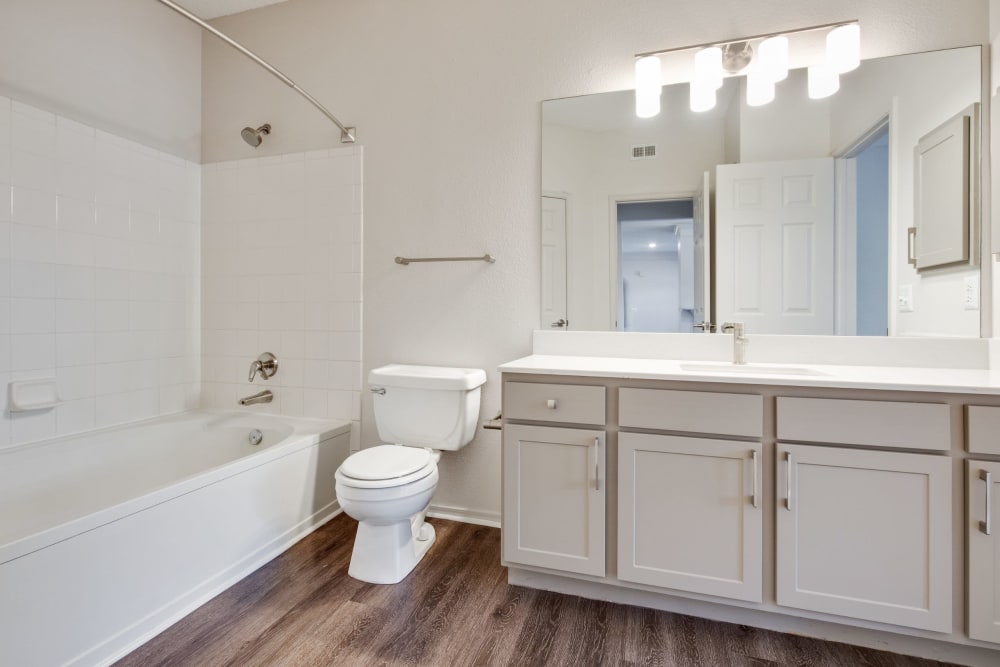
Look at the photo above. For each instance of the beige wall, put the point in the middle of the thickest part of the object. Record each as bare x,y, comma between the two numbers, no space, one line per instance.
445,94
129,67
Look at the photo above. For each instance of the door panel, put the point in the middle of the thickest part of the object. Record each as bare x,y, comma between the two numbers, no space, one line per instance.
774,236
689,517
865,534
553,261
553,509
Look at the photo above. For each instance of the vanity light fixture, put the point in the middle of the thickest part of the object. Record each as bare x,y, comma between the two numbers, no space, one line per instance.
713,61
648,86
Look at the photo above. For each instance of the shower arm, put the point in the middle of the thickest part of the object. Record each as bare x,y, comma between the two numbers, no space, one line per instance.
347,134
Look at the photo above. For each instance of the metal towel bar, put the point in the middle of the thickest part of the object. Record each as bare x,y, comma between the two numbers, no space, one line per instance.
407,260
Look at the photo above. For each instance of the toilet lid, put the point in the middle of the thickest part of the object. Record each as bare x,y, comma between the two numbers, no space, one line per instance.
385,462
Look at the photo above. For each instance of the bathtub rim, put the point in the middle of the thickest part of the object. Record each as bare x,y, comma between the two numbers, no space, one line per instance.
306,432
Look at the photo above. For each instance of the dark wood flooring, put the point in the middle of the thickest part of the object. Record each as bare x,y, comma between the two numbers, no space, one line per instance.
456,608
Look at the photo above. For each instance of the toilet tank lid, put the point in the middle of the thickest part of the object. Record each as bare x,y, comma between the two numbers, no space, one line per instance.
426,377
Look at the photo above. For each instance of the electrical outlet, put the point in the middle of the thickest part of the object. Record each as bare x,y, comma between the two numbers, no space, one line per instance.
970,295
904,298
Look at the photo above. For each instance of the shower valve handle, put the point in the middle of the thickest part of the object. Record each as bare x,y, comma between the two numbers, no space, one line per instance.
266,364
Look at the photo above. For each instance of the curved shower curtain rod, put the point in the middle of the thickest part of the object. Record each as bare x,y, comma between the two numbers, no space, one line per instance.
347,134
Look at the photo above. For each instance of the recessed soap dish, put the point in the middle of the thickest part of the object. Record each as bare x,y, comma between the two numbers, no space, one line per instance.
40,394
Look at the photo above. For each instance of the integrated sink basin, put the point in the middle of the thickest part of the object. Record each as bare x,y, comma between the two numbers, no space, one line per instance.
750,369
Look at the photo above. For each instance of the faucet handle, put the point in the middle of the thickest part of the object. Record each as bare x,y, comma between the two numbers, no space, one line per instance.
266,364
735,327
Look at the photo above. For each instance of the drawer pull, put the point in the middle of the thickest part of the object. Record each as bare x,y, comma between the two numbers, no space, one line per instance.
756,490
551,404
788,481
597,478
987,526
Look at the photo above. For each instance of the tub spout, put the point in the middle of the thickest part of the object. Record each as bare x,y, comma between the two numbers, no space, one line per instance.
260,397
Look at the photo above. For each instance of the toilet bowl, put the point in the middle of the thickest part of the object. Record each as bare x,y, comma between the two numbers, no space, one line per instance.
423,410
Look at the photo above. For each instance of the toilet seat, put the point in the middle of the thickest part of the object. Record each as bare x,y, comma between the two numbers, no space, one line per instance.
386,466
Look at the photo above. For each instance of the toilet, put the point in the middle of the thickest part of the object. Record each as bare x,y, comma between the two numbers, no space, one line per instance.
422,411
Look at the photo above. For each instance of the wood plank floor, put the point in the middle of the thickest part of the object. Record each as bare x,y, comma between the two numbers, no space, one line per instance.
456,608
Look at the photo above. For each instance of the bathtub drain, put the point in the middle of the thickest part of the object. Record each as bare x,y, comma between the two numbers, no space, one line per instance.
255,437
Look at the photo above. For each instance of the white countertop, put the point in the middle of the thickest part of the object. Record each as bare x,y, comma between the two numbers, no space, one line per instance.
959,381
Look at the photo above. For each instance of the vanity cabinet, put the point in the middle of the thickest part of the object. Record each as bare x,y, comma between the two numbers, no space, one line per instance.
690,514
554,497
983,489
865,534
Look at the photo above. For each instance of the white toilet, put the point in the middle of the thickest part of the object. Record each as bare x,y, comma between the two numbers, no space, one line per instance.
423,410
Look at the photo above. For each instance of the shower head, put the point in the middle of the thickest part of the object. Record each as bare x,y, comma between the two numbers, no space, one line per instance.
254,137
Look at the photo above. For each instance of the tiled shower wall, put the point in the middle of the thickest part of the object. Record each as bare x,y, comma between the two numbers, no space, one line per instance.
281,270
99,274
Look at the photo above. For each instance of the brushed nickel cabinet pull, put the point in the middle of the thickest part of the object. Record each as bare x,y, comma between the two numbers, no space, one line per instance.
756,489
788,481
987,526
597,477
911,240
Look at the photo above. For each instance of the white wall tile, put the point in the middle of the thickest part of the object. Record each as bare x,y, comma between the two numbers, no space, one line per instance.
74,349
33,207
112,409
33,279
281,258
32,352
75,282
32,316
76,214
75,416
74,315
32,426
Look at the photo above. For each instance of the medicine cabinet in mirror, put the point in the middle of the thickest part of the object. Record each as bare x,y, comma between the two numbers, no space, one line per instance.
794,217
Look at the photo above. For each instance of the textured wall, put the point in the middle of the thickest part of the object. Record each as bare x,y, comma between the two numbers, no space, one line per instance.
130,67
446,94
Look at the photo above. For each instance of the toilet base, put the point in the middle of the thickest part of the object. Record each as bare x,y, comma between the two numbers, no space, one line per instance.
385,554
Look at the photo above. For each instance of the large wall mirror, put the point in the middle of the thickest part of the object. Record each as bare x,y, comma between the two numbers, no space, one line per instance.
796,217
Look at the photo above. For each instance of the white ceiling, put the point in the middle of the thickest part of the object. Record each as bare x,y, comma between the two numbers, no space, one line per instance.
210,9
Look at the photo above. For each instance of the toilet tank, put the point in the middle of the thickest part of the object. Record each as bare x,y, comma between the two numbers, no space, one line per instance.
426,406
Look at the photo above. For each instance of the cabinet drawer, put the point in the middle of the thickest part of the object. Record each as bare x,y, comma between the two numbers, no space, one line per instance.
983,434
874,423
695,411
563,403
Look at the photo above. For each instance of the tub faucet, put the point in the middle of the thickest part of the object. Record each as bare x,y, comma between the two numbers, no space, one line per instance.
260,397
739,341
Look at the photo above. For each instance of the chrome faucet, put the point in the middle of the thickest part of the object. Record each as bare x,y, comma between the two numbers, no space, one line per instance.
739,341
266,364
260,397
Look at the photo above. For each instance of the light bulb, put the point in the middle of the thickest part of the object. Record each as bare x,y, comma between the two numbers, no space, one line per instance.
823,82
708,67
772,58
702,97
760,89
648,86
843,48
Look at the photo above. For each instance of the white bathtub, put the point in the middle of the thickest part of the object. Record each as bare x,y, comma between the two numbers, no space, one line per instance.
108,537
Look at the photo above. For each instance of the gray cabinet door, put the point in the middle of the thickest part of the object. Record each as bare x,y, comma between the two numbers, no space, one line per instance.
553,506
865,534
689,514
941,204
983,486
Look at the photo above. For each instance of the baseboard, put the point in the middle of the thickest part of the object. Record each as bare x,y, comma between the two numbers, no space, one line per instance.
464,515
187,602
923,647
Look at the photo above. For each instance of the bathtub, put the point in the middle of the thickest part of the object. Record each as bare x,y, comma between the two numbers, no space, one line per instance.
108,537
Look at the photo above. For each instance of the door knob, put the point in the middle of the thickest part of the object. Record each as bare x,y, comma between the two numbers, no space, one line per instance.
560,323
